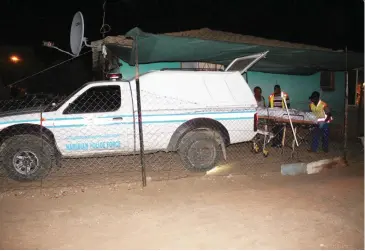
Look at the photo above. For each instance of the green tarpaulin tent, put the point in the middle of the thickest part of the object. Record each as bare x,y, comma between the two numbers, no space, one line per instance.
153,48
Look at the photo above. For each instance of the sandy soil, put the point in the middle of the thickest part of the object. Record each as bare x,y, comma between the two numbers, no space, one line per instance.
261,210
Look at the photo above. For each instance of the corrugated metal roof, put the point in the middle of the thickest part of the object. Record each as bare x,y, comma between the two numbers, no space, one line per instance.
215,35
208,34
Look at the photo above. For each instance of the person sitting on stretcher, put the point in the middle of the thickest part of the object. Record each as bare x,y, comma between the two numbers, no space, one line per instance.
324,117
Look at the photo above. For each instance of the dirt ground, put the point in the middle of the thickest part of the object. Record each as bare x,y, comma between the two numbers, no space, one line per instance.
261,210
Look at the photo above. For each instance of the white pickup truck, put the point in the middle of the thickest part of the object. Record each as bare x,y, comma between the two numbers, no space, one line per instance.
196,113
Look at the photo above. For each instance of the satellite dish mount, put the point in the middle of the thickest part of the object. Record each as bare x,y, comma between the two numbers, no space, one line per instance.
77,39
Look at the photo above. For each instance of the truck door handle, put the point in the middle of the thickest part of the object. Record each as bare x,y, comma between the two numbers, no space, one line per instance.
118,118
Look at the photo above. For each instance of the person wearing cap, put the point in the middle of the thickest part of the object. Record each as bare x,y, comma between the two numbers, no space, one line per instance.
258,96
324,117
276,100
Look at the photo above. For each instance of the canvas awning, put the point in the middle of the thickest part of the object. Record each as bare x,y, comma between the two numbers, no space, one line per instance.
153,48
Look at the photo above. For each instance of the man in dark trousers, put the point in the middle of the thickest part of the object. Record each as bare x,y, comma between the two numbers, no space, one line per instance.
324,117
276,99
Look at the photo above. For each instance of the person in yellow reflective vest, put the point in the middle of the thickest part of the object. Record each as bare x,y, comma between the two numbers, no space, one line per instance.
276,100
324,117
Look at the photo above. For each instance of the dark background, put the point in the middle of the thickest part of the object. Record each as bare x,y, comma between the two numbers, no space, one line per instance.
328,23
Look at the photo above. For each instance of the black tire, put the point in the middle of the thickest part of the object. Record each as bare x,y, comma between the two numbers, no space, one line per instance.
26,149
192,142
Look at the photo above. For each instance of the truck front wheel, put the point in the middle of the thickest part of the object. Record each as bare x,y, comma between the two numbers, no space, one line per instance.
200,150
26,157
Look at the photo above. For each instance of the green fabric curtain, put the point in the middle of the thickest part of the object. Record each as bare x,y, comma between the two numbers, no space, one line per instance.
153,48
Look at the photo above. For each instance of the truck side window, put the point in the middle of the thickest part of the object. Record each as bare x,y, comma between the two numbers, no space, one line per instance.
96,99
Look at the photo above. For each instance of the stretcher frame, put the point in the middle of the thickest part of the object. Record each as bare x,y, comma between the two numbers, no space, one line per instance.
294,123
291,119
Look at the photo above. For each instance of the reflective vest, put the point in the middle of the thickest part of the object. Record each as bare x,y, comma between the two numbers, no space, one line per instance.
272,96
318,110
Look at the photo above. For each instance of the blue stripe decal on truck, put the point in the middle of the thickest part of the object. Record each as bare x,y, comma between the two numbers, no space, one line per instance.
148,122
70,118
37,120
19,121
147,115
177,114
173,121
65,126
94,136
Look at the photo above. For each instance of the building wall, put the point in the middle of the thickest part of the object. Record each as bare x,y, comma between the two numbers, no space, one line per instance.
299,88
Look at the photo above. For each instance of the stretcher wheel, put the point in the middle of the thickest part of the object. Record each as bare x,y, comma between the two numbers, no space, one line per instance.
256,148
265,153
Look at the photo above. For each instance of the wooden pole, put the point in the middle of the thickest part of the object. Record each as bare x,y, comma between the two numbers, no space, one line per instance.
346,110
140,127
360,104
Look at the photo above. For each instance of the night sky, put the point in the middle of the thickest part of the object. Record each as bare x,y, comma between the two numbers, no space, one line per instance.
328,23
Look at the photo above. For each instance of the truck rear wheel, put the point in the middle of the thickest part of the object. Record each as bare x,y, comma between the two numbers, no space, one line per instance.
200,150
26,157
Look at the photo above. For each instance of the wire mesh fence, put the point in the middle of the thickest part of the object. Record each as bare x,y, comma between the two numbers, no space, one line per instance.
93,138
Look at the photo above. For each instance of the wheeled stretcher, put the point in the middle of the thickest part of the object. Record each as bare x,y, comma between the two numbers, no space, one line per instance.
270,117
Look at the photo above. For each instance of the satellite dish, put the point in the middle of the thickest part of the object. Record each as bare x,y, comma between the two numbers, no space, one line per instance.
77,39
77,33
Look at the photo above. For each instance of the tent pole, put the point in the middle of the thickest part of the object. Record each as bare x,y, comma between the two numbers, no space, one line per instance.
346,110
103,63
358,105
140,128
360,111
